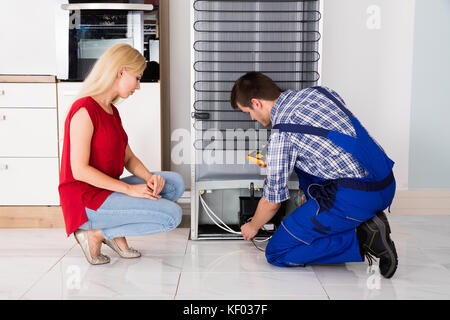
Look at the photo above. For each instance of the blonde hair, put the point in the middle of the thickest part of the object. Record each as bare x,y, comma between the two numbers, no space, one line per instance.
104,71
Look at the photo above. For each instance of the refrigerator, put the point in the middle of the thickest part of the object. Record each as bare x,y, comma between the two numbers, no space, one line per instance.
281,39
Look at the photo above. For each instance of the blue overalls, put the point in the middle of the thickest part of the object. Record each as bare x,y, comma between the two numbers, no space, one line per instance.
323,229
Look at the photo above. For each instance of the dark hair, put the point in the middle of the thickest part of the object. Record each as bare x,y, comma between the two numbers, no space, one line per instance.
253,85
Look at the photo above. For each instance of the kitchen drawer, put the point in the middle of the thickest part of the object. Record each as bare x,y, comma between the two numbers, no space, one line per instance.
29,181
28,133
27,95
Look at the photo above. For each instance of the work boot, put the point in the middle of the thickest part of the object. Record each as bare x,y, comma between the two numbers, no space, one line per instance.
374,241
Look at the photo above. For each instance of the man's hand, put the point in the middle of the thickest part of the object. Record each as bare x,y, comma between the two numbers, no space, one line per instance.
249,230
264,212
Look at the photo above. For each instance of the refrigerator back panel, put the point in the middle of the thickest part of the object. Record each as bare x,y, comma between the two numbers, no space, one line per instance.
277,38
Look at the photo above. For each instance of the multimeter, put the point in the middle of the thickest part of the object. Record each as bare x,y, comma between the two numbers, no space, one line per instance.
257,157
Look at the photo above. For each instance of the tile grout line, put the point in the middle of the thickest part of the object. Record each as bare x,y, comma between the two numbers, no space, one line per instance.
46,272
184,256
318,279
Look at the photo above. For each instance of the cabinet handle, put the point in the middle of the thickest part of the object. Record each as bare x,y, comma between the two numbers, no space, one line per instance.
4,167
70,93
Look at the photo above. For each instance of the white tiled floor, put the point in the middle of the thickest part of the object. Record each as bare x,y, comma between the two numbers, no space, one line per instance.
45,264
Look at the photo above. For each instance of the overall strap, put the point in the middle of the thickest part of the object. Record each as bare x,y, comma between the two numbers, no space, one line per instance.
346,141
299,128
339,104
352,145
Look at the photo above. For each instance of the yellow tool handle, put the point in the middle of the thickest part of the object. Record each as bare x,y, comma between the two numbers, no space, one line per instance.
258,162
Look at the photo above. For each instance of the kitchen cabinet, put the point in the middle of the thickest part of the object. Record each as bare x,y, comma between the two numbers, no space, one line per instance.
29,181
27,35
29,172
141,119
28,132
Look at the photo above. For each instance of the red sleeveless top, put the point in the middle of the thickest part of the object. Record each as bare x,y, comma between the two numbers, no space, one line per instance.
108,145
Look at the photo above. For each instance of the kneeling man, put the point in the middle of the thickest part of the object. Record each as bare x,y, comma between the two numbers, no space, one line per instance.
346,177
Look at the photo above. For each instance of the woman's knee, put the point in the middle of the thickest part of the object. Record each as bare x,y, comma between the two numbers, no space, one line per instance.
133,180
179,184
176,182
173,215
164,219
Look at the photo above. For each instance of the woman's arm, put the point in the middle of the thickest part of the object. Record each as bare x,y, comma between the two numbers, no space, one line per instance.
135,166
81,131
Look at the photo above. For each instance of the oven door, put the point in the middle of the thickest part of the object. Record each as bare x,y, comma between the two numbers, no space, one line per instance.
91,29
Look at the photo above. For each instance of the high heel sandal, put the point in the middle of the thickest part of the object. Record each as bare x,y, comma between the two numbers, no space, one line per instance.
127,254
82,239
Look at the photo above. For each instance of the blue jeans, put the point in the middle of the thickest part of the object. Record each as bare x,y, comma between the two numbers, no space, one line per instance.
121,215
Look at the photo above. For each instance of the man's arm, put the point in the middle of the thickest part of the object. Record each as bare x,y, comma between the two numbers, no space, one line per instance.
264,212
281,157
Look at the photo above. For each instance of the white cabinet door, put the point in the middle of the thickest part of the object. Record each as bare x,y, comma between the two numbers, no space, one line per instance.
141,119
67,92
27,33
29,172
29,181
28,132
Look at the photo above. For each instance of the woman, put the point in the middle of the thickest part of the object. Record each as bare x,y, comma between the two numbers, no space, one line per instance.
98,206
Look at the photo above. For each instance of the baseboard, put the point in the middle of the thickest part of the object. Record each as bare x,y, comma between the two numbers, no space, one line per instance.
421,202
406,202
50,217
185,198
31,217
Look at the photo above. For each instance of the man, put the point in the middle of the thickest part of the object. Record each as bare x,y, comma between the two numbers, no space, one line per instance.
346,177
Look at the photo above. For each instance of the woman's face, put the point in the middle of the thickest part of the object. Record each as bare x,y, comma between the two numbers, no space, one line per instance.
128,82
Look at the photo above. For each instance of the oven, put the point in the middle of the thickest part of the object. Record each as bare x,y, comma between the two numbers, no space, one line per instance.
86,30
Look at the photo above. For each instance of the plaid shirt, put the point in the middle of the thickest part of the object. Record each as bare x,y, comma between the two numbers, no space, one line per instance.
315,155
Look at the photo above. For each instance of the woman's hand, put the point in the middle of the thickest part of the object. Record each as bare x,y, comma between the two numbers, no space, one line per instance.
141,191
156,184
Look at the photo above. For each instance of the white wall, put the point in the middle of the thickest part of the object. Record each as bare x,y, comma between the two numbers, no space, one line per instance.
429,157
180,77
372,69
